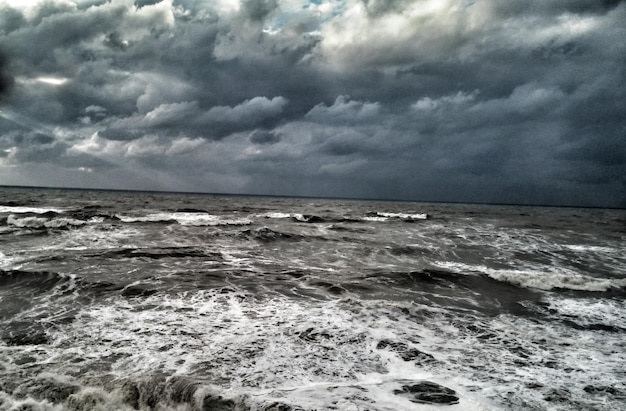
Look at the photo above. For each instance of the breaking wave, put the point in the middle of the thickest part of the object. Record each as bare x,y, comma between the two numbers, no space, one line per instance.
185,219
542,280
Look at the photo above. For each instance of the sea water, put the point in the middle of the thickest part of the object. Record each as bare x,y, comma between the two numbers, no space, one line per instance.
126,300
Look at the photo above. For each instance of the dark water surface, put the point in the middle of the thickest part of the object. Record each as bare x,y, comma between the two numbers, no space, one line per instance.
120,300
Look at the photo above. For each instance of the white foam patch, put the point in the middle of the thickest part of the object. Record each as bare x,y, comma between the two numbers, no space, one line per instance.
6,261
324,354
8,402
591,248
187,219
315,355
98,236
520,361
589,312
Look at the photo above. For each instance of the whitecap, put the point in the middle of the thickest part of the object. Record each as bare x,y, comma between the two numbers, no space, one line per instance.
23,210
63,222
276,215
186,219
556,280
404,216
590,248
26,222
375,219
590,312
548,279
5,261
41,222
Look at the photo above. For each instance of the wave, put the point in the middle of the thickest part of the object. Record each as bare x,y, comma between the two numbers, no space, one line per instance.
591,248
42,222
39,217
307,218
185,219
381,216
36,218
267,234
404,216
24,209
297,217
375,219
467,292
158,253
558,281
276,215
377,216
543,280
30,220
607,315
25,298
38,280
349,229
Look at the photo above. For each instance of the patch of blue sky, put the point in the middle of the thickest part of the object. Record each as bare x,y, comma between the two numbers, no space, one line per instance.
316,12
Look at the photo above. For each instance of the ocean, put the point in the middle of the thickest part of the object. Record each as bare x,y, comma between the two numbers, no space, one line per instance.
155,301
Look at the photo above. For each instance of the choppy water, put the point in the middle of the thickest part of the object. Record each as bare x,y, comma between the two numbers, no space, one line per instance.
112,300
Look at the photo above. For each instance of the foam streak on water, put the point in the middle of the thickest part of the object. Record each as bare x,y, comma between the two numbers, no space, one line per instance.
114,300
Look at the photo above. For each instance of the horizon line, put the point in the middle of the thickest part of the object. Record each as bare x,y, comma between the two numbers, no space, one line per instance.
372,199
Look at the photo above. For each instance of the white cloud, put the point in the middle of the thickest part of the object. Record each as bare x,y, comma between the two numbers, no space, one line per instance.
248,112
160,89
429,104
163,114
342,168
417,28
95,109
524,99
144,147
96,145
534,31
345,109
184,145
227,6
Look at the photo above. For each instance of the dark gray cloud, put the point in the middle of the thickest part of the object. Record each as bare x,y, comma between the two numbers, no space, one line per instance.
558,7
377,7
264,137
6,80
412,99
259,10
10,19
141,3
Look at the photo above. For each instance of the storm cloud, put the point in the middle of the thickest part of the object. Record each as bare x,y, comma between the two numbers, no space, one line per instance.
470,101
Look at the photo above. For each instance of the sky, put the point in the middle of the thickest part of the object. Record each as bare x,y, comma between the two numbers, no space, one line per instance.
485,101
